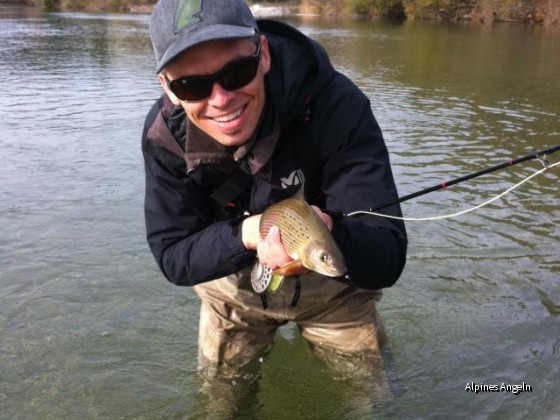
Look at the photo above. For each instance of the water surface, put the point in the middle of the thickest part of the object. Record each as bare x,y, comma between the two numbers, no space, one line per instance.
89,327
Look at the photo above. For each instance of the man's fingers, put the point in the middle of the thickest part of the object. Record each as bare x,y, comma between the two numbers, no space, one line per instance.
324,217
271,251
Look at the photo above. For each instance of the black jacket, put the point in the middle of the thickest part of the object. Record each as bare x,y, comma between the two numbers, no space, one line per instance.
317,127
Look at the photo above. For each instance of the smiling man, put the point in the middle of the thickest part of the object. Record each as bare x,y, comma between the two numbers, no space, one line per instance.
228,116
251,111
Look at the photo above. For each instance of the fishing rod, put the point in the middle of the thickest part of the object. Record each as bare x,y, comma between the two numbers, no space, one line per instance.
541,155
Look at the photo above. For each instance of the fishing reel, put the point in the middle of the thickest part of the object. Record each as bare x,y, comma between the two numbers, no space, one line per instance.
262,279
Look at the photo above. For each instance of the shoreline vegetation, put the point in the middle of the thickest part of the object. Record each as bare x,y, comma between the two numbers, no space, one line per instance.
542,12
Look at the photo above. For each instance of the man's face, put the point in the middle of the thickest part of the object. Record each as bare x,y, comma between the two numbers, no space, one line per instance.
228,117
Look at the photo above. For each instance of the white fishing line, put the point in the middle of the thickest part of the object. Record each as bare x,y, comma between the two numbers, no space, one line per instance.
449,216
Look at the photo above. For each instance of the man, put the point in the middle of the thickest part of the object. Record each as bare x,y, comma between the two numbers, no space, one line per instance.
251,112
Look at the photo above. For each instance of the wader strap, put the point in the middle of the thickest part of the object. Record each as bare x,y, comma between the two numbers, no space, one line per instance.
264,300
295,299
297,292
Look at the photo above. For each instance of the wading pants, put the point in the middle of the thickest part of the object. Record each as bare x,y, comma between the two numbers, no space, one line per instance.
236,329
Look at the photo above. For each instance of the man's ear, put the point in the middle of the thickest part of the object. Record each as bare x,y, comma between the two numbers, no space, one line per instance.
163,82
265,54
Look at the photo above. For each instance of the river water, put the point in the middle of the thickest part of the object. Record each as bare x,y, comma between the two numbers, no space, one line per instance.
89,328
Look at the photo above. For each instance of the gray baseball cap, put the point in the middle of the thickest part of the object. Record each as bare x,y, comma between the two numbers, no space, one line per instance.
180,24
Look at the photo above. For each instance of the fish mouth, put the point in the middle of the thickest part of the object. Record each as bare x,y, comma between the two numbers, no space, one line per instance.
331,271
339,273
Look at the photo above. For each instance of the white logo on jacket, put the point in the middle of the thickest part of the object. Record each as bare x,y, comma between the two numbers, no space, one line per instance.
295,178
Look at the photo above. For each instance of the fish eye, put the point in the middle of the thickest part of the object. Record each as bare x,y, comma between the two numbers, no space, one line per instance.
324,258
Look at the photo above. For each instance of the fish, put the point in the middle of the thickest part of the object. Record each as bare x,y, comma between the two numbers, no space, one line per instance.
305,237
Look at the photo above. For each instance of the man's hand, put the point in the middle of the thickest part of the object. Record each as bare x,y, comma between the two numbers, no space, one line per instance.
250,231
324,217
270,250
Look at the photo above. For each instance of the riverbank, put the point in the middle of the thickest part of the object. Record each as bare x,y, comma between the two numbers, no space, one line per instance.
261,9
17,3
258,9
545,12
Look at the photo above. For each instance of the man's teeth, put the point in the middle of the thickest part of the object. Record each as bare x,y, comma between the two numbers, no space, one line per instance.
229,117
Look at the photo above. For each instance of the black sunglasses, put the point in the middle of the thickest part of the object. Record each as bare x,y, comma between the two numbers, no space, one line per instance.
233,76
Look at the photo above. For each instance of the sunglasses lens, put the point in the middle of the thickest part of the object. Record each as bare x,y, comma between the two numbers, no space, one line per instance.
191,89
239,74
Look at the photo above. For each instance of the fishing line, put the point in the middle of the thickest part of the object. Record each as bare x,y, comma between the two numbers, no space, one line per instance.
540,155
448,216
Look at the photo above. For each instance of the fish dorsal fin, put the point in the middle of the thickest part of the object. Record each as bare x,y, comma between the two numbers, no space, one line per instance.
300,193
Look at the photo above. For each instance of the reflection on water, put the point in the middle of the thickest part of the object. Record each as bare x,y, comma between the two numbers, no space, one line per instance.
91,329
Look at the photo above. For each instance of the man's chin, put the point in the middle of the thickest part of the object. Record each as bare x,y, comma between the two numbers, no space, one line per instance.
232,139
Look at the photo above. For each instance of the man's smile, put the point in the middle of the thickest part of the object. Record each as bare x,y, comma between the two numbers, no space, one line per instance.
229,117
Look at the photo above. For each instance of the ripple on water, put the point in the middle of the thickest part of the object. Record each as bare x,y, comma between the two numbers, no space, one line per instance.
87,317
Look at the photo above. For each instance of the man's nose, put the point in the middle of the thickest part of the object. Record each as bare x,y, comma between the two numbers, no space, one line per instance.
219,96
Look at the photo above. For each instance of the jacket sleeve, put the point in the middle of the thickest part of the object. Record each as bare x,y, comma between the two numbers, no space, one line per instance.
188,245
357,176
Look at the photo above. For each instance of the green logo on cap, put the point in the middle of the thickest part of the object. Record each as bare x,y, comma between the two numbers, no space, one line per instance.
187,11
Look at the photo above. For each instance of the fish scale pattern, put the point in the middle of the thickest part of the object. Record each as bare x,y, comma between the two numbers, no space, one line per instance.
305,236
297,221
